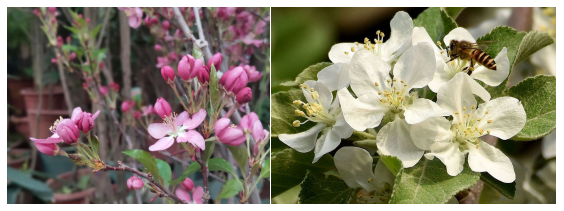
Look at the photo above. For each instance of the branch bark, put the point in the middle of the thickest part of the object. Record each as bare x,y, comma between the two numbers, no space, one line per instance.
201,42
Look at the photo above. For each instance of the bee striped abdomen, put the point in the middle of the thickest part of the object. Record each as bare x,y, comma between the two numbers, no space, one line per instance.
484,59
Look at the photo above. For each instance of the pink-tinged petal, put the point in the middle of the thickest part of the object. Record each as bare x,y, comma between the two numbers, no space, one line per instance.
49,140
182,194
197,193
75,112
181,118
162,144
158,130
194,138
196,120
221,124
95,115
257,131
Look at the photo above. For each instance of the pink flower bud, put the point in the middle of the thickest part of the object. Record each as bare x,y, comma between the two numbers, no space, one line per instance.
85,85
54,60
203,73
48,149
184,69
216,61
257,131
158,47
187,184
80,15
68,131
168,74
172,56
147,110
85,121
37,12
248,120
103,90
59,41
229,134
114,86
244,95
127,105
68,40
137,114
234,80
162,108
87,20
102,65
52,10
166,25
72,56
134,183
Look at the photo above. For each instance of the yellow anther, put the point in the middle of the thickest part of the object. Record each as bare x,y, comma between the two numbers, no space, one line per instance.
439,43
479,119
379,93
296,123
402,81
305,86
376,84
352,49
456,113
382,34
405,85
397,93
300,113
490,121
382,101
298,102
312,90
405,104
464,108
388,80
370,180
314,95
395,80
488,131
473,107
356,43
301,86
487,112
346,53
459,123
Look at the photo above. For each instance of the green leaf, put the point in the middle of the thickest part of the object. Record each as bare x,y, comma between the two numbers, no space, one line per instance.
393,163
283,113
265,170
240,155
146,159
453,12
70,48
289,168
164,171
219,164
429,183
197,53
318,188
13,192
426,93
86,149
95,145
96,30
506,189
214,91
532,42
310,73
80,160
192,168
231,188
538,96
437,23
37,188
210,145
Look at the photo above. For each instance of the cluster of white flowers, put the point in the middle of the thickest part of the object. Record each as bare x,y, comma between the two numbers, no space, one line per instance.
382,77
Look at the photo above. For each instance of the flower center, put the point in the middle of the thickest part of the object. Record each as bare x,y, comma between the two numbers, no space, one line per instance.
53,128
314,111
375,47
394,97
468,129
170,121
380,195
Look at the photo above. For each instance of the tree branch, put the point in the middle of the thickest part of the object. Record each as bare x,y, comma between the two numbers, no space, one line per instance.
201,42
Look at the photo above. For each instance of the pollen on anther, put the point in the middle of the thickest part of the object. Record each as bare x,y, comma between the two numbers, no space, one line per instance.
376,84
464,108
296,123
346,53
301,86
370,180
405,85
402,81
473,107
487,112
312,90
352,49
488,131
379,93
490,121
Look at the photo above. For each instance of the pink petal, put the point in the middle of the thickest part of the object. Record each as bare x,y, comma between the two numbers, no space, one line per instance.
257,131
195,139
162,144
158,130
75,112
181,118
182,194
197,193
196,120
221,124
95,115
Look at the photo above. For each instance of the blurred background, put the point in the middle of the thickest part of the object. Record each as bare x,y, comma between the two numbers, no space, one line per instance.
303,36
129,59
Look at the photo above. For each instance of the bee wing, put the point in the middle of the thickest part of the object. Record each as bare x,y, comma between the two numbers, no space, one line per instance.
484,44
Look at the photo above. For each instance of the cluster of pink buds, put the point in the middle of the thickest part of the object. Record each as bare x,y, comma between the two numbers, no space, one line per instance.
134,183
186,187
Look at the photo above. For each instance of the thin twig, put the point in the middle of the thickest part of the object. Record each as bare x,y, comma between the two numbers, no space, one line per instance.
106,20
201,42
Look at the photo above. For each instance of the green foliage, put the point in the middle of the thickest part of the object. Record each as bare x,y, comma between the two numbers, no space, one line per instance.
146,159
219,164
95,145
283,113
23,180
265,170
436,21
231,188
453,12
192,168
197,54
429,183
426,93
532,42
318,188
310,73
393,163
289,168
214,91
164,171
506,189
538,96
210,145
240,155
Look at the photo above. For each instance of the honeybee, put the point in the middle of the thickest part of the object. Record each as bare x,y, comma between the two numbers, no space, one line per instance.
464,50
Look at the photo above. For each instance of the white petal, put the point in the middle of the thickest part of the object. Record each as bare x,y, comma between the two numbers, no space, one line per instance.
328,141
401,30
364,112
450,155
416,66
365,70
421,109
355,167
304,141
457,94
341,128
335,76
420,35
75,112
383,174
325,96
394,139
476,88
490,159
507,114
459,34
494,77
434,129
337,52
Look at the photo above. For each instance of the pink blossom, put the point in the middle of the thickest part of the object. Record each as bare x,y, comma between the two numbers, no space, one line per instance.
158,47
248,121
185,68
103,90
48,149
182,194
147,110
197,194
260,141
166,25
134,183
244,95
225,12
174,127
168,74
127,105
234,80
36,12
84,120
72,56
172,56
216,61
203,74
252,73
67,131
137,114
114,86
162,61
134,15
229,134
162,108
187,184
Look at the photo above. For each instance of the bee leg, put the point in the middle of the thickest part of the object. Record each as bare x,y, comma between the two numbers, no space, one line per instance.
452,59
471,67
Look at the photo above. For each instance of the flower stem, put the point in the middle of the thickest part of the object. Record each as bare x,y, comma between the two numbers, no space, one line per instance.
179,98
